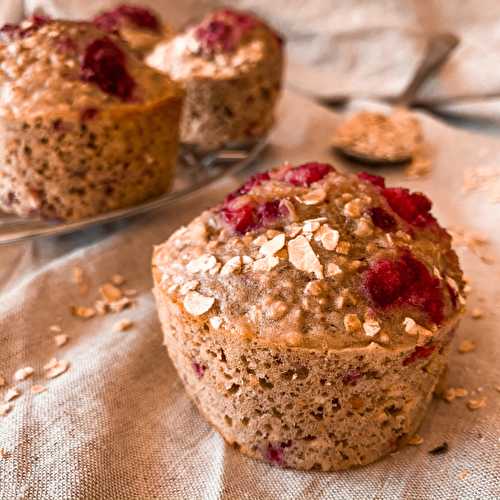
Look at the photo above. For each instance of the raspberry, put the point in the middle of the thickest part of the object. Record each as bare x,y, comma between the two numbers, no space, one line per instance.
251,216
143,18
104,64
382,219
405,281
376,180
223,30
199,369
275,453
306,174
255,180
241,219
11,31
412,207
420,352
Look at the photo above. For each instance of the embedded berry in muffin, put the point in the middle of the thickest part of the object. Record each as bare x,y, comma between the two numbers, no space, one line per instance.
321,307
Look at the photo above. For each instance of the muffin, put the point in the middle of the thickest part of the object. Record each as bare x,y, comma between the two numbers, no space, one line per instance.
309,316
141,28
87,127
231,65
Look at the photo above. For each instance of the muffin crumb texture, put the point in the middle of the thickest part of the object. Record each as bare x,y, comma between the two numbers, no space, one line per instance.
310,314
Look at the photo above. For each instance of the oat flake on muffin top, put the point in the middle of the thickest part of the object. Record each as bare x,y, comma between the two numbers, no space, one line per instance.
309,256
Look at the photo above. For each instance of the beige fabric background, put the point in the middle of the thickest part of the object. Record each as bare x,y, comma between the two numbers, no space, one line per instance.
118,424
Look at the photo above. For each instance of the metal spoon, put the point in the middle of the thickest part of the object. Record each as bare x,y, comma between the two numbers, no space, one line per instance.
376,138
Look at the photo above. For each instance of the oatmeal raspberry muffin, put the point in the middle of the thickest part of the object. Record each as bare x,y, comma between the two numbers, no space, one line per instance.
310,314
231,65
141,28
86,127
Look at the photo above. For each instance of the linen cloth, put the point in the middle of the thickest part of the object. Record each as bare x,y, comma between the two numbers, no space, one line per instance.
118,424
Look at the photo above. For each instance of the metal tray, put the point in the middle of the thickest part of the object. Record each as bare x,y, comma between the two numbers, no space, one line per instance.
194,172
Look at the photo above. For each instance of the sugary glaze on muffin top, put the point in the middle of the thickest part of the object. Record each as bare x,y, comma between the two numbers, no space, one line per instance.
72,67
224,43
309,256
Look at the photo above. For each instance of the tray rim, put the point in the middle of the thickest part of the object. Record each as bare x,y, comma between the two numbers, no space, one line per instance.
58,229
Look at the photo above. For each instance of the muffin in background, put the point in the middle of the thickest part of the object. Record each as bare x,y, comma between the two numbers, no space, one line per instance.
231,65
86,126
140,27
310,314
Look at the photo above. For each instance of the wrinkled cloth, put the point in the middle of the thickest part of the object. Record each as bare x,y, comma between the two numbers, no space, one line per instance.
118,423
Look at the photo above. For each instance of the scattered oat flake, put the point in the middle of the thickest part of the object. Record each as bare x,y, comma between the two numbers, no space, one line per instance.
215,322
352,323
83,312
232,266
11,394
477,313
333,269
123,325
55,329
5,408
78,275
55,367
476,404
272,246
197,304
329,237
117,279
202,263
265,264
120,305
61,339
466,346
416,440
313,197
260,240
38,389
302,256
23,373
371,328
188,286
110,293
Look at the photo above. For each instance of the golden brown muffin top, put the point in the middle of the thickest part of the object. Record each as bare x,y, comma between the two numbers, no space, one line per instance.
312,257
225,43
72,67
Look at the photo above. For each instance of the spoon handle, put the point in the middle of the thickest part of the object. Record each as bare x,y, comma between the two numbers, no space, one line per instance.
439,47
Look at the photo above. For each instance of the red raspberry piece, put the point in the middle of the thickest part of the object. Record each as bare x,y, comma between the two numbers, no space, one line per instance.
420,352
104,64
306,174
405,281
382,219
241,219
376,180
143,18
223,30
255,180
199,369
11,31
412,207
275,453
